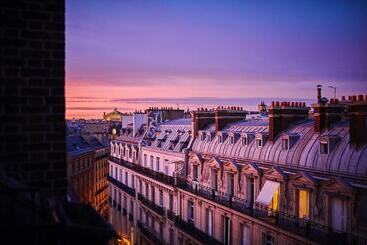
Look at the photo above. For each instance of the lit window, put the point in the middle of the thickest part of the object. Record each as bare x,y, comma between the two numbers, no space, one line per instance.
303,204
285,144
324,148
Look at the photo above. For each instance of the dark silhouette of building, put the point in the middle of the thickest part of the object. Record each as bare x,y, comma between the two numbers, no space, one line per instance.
34,207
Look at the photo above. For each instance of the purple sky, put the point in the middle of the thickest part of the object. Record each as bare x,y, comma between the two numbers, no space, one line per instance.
147,49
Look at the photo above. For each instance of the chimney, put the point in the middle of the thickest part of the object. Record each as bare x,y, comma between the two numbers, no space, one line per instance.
200,119
319,93
283,115
358,121
228,115
326,114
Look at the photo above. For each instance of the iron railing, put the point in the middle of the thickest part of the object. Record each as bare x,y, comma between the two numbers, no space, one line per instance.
303,227
151,235
169,180
158,209
198,234
122,186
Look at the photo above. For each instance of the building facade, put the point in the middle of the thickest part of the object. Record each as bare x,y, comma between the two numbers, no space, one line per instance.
291,177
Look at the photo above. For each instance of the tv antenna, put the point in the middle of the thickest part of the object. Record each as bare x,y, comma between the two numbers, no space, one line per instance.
334,88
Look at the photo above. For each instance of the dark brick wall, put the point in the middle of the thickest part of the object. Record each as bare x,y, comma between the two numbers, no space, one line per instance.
32,61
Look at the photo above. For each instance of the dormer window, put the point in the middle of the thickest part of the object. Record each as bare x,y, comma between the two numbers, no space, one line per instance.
202,137
324,147
231,140
208,138
285,144
220,139
259,142
244,141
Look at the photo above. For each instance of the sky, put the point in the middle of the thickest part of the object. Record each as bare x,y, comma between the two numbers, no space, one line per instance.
132,51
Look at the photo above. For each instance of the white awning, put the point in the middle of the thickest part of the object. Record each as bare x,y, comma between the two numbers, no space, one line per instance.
267,192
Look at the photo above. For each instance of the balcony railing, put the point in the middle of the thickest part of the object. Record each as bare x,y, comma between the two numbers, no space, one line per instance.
169,180
151,235
122,186
198,234
158,209
171,215
302,227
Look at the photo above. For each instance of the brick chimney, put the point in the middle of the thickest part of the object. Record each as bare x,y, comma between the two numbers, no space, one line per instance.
201,118
283,114
223,116
326,114
358,120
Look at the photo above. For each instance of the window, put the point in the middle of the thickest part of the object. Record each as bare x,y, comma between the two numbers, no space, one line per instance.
324,148
132,207
231,140
171,236
157,164
151,162
140,187
250,189
274,204
230,184
268,239
214,179
195,172
209,222
125,202
153,194
245,234
132,181
160,230
303,204
226,230
115,172
166,170
111,171
208,138
161,198
244,141
145,160
220,138
202,137
190,211
170,205
126,178
338,214
259,142
121,175
146,190
285,144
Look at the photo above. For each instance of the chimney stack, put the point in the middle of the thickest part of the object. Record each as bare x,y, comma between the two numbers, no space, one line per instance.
358,121
283,115
201,118
326,114
229,115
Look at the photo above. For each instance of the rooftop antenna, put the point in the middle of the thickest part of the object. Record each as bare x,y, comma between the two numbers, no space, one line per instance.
178,105
334,88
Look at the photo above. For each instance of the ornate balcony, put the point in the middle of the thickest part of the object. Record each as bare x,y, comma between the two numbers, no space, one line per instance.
151,235
171,215
122,186
311,230
156,208
169,180
198,234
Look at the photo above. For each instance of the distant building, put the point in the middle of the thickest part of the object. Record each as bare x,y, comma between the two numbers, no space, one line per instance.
262,108
115,115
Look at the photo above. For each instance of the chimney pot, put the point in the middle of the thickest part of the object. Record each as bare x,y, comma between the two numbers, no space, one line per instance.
277,103
350,98
354,98
273,103
343,98
360,97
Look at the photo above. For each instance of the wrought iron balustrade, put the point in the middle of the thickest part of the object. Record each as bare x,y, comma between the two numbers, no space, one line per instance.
151,235
122,186
158,209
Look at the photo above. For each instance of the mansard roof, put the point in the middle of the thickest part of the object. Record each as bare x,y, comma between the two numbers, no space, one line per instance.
304,153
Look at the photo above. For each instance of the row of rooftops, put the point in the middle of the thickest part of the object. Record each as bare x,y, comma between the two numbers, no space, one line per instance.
77,145
323,142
